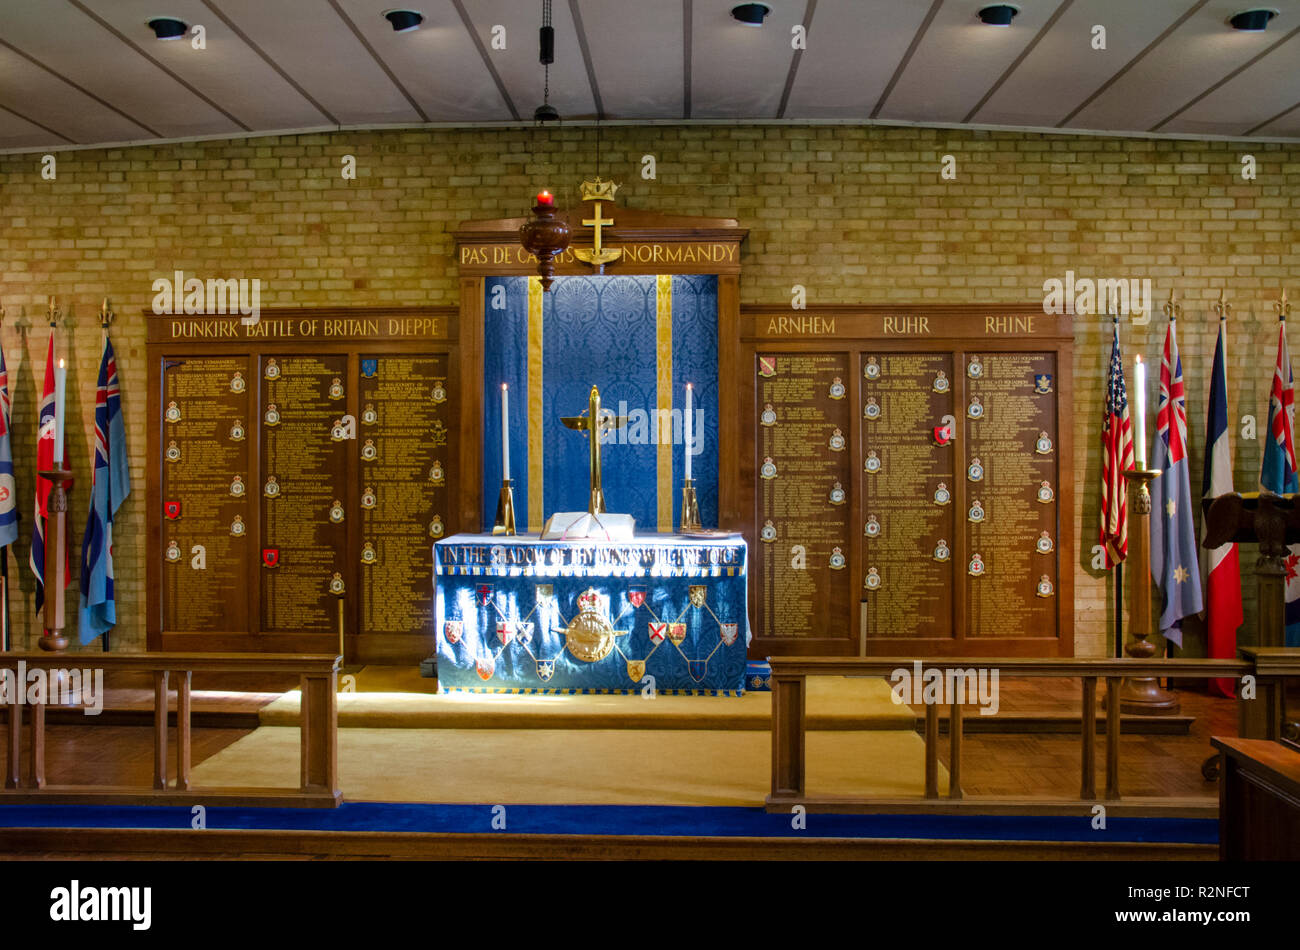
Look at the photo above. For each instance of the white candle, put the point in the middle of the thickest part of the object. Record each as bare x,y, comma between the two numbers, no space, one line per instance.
505,431
686,428
1140,413
60,388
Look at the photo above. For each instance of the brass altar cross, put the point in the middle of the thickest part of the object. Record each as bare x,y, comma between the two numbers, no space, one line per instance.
595,425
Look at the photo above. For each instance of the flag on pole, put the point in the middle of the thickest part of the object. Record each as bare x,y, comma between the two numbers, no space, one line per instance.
8,495
1116,459
1223,580
44,463
1278,474
110,486
1174,565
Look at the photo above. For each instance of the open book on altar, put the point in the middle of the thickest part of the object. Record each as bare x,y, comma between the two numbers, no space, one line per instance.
581,526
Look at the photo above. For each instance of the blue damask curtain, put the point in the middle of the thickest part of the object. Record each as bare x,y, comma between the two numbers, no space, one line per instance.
628,335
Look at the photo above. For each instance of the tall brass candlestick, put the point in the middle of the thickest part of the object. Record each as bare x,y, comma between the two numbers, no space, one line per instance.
56,542
1142,694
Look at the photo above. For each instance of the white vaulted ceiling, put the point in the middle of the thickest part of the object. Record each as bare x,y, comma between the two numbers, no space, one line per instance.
86,72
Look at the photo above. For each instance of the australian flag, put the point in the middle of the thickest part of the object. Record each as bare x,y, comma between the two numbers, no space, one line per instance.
1174,566
8,496
1278,473
111,484
44,463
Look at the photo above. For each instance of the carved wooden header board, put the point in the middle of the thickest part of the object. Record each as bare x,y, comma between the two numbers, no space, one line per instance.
302,467
909,488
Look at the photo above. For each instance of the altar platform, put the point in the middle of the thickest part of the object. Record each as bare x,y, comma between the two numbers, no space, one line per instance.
659,614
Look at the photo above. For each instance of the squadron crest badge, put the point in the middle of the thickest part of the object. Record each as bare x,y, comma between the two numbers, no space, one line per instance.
872,368
589,636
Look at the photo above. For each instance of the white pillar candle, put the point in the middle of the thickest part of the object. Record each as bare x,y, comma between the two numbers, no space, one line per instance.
505,431
687,427
1140,413
60,389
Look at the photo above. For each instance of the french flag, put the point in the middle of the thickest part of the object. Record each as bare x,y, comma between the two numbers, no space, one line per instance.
1223,583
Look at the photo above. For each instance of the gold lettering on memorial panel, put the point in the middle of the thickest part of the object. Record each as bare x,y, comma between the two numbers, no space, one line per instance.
1012,443
408,482
801,442
310,469
909,494
204,475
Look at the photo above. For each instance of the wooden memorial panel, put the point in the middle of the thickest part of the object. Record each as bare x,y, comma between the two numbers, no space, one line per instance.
908,490
204,487
1013,512
406,446
953,531
301,469
805,471
303,492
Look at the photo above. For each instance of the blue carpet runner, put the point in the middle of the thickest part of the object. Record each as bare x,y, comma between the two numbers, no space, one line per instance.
617,820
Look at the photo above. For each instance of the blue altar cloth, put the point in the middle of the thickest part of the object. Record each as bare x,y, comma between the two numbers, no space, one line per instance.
522,615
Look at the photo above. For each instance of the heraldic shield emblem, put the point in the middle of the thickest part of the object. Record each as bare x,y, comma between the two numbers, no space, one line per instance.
484,594
677,632
698,592
657,633
271,557
505,631
485,667
636,597
636,670
699,669
729,632
545,669
453,630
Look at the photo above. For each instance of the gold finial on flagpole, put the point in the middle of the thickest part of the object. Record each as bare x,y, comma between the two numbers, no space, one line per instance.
105,314
1173,309
1221,306
52,311
1282,306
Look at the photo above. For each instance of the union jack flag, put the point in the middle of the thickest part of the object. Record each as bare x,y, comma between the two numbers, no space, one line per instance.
111,484
1117,458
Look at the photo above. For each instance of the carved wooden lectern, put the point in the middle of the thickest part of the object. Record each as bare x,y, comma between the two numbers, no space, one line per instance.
1273,521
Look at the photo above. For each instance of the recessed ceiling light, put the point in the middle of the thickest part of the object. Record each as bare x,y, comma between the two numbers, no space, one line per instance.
751,14
404,21
1252,21
1000,14
167,27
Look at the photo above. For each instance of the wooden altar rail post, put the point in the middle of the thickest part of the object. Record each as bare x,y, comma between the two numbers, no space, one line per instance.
318,726
1270,666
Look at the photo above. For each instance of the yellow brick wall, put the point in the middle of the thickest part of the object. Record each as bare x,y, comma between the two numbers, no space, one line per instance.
856,215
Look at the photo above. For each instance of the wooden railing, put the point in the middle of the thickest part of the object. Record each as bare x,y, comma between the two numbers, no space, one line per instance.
319,786
789,694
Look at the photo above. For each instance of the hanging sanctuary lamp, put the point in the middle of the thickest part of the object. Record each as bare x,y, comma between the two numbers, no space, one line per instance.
546,234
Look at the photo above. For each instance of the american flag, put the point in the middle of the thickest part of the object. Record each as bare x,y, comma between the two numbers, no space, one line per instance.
1117,458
